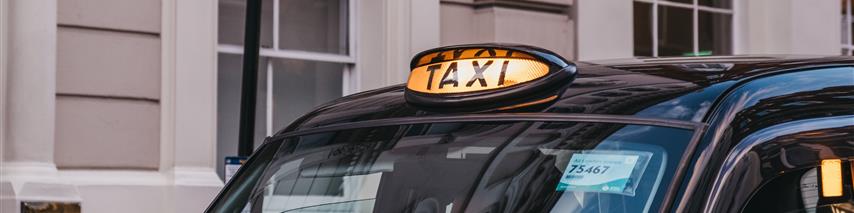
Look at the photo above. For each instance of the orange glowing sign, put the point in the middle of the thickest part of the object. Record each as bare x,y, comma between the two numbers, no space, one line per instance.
831,178
473,75
480,76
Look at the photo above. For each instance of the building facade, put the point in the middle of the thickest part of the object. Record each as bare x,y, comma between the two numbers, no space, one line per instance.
132,105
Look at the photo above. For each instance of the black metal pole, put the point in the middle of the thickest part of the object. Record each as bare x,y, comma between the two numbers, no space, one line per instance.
249,87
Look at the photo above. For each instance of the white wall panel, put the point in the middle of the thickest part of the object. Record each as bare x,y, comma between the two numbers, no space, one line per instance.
107,133
131,15
97,62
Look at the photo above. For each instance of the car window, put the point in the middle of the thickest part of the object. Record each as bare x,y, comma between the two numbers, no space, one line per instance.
796,191
474,167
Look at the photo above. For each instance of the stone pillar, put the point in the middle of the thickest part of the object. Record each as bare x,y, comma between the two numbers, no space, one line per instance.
411,26
389,33
31,87
28,170
189,103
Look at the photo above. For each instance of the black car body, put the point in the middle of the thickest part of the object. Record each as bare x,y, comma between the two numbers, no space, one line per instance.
721,134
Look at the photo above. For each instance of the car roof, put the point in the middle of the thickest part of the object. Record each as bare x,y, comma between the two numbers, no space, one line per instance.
682,88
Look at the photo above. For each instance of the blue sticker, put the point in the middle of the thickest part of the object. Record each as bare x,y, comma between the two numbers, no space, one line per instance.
608,172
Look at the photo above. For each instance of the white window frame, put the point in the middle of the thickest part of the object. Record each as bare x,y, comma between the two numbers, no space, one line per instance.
847,45
349,84
696,7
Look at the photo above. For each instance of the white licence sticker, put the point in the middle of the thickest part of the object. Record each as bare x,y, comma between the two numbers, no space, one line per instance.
608,172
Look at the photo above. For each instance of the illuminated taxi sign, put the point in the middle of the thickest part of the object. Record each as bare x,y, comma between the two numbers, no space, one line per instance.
484,74
466,53
471,75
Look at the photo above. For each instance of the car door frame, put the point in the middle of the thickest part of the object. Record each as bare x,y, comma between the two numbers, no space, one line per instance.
718,140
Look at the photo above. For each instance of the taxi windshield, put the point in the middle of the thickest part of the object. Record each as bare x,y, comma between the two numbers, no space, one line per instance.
473,167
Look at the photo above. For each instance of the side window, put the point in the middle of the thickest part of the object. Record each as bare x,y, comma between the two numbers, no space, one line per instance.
810,190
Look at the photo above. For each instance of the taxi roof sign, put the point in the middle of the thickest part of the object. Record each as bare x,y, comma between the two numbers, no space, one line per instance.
485,75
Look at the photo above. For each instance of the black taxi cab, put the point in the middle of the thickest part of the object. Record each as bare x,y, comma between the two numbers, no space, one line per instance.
513,128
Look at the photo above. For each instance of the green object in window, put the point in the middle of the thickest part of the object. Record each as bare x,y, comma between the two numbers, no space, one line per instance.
701,53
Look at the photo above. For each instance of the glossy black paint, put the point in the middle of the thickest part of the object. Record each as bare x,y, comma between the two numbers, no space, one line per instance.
671,90
763,104
501,117
730,95
765,154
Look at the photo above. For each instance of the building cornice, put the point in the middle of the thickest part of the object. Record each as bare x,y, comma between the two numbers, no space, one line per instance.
538,6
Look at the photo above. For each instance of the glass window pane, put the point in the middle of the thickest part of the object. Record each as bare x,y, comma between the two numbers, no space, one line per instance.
314,25
643,29
675,35
844,6
405,168
229,76
691,2
715,31
232,15
726,4
299,86
793,191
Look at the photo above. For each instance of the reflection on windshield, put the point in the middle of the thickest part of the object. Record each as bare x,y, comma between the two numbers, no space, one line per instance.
474,167
364,205
305,194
